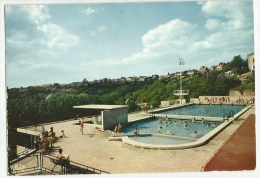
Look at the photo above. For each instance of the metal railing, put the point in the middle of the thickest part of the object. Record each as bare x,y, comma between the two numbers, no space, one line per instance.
38,163
17,167
73,167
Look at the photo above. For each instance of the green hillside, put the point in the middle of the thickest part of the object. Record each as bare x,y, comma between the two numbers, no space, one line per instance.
41,104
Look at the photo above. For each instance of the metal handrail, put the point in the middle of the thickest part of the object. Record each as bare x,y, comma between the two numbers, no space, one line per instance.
40,167
78,166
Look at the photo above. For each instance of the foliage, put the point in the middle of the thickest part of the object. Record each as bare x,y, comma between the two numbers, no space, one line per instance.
249,84
41,104
237,65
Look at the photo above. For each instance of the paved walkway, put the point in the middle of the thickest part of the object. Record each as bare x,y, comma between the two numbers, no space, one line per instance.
239,152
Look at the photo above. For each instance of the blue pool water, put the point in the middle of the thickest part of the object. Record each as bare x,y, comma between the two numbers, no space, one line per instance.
177,131
205,110
150,126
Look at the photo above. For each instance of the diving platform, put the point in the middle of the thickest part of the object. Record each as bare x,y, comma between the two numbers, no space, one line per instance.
180,92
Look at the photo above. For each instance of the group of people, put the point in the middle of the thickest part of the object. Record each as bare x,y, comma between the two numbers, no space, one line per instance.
119,127
174,123
226,99
45,144
46,139
183,123
219,99
246,101
170,132
163,118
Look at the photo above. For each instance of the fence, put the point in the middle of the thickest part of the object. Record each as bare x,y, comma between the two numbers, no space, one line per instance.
40,164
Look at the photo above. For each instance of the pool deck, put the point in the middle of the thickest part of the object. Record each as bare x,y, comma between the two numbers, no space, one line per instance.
93,149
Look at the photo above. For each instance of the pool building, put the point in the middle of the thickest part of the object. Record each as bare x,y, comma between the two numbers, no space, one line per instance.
107,115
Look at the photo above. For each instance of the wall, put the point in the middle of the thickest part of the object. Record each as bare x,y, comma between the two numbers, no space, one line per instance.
242,99
194,100
180,101
167,103
110,118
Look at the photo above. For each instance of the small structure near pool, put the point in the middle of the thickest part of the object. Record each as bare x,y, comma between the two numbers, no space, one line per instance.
111,115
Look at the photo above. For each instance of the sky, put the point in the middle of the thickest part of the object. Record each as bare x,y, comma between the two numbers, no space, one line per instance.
65,43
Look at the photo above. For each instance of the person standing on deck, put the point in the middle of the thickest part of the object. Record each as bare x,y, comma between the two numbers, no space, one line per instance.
81,126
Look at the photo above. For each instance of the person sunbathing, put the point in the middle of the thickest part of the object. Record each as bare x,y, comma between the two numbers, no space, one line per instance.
62,134
63,159
59,155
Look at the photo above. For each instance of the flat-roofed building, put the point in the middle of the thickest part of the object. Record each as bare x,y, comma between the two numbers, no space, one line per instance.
109,115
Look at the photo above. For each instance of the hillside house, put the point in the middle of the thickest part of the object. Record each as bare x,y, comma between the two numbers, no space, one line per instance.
251,62
203,69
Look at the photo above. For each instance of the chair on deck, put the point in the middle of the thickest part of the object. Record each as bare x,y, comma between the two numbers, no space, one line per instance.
64,163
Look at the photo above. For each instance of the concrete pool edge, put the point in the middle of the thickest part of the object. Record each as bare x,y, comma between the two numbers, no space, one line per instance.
190,117
203,140
156,112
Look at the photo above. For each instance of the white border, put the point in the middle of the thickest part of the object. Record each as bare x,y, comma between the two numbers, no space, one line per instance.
3,155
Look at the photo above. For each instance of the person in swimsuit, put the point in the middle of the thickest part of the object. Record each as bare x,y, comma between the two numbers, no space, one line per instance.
81,126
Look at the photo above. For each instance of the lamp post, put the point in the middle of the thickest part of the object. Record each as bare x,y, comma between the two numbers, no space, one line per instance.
181,63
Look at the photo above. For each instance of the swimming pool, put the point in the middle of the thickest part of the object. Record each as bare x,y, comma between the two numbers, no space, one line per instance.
204,110
174,134
172,127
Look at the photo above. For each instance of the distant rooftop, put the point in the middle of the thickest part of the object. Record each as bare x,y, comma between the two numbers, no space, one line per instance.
100,106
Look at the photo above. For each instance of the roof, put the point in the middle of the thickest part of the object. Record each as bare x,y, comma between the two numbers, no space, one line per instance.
101,106
28,131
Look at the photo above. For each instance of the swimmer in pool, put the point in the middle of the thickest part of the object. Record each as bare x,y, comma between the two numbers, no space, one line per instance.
136,132
194,134
159,130
169,132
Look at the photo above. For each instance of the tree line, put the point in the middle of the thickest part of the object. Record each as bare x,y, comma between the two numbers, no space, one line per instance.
43,104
